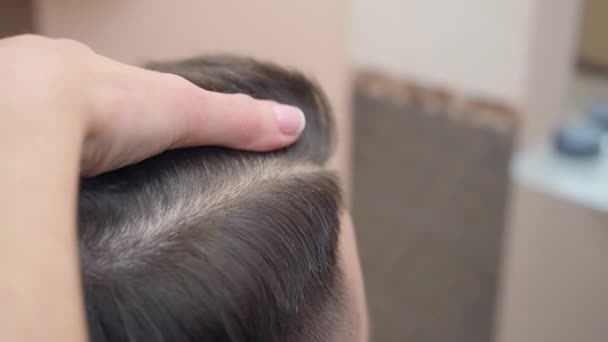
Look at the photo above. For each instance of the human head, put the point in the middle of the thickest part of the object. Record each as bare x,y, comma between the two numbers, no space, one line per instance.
212,244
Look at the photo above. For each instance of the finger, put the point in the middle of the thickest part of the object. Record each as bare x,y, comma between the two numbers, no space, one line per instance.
200,117
239,121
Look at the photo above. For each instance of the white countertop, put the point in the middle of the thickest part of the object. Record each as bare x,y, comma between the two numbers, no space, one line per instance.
579,180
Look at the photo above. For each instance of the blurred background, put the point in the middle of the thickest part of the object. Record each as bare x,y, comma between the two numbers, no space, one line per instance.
472,225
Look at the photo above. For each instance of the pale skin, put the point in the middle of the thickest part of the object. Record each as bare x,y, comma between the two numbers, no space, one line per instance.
66,111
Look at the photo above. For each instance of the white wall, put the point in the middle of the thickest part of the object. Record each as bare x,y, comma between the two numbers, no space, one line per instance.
476,46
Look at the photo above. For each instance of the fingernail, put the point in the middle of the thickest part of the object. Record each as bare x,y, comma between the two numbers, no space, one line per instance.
290,119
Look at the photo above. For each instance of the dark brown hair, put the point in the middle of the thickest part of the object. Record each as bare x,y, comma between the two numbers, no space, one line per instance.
212,244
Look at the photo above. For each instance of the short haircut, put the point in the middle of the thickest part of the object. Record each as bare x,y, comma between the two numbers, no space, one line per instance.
214,244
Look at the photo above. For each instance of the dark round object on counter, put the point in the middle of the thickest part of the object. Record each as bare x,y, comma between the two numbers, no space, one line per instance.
579,139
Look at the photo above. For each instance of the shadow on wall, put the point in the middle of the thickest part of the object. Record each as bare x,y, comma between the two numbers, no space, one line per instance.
16,17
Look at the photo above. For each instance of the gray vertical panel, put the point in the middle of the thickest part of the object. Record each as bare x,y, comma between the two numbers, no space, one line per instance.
429,208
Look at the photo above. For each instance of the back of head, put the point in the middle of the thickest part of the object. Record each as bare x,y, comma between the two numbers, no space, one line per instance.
212,244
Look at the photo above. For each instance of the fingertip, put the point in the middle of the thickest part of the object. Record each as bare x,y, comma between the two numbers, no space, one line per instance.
279,126
290,120
269,127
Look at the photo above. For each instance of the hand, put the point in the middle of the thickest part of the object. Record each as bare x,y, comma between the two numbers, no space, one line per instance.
126,113
65,111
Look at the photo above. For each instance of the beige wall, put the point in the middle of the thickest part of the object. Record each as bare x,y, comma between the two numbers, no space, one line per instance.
554,276
310,35
550,67
475,46
556,272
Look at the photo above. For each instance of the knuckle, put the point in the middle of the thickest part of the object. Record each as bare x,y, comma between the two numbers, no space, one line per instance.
31,38
26,42
173,80
71,45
